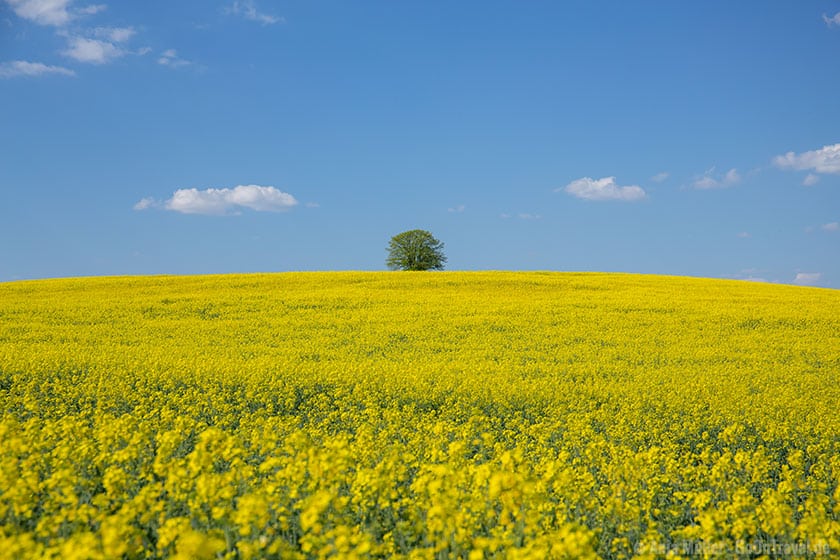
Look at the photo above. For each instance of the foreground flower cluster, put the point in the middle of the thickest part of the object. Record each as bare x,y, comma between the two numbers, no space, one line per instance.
418,415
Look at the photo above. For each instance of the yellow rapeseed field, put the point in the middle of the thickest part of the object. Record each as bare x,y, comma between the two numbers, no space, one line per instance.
418,415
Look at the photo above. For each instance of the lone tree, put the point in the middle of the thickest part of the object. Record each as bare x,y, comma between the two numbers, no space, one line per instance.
415,250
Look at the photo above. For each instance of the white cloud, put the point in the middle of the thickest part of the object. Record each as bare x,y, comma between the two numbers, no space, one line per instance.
226,201
23,68
731,177
92,51
43,12
51,12
92,9
603,189
101,46
457,209
709,181
750,275
248,10
521,216
659,177
832,20
94,46
831,226
807,278
115,34
146,203
170,58
810,180
824,160
744,235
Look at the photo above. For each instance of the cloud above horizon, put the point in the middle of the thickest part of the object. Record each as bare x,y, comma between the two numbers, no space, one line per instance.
709,181
115,34
171,59
248,10
98,45
807,278
226,201
24,68
602,189
824,160
56,13
103,45
810,180
43,12
92,51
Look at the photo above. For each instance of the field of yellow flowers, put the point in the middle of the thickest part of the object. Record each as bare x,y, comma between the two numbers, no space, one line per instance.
418,415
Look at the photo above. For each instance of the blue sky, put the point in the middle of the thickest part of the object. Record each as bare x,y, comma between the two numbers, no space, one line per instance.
185,137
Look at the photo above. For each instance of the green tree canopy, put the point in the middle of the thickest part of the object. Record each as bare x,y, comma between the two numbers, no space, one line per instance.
415,250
